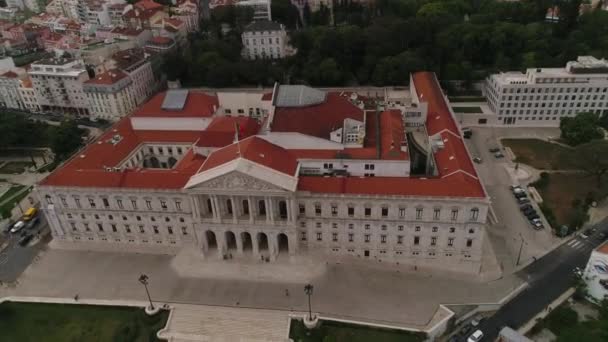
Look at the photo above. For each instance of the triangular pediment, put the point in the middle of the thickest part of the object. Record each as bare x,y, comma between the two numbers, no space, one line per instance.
237,181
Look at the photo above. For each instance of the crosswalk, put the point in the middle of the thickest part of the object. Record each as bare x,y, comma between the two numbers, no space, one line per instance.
580,245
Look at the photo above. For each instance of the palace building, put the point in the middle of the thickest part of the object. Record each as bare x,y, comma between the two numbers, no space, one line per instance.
292,172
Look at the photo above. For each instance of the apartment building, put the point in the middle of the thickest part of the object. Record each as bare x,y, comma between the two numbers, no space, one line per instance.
110,95
542,96
318,176
57,83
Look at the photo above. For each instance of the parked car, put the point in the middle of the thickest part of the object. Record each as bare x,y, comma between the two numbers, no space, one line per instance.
523,200
476,336
476,321
516,188
498,155
31,224
477,160
494,150
537,224
587,233
533,216
519,195
25,240
526,207
7,227
17,226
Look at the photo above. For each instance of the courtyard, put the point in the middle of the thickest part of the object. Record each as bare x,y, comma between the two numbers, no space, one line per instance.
35,322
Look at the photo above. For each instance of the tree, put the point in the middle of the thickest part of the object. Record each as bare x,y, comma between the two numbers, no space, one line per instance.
580,129
286,13
66,138
593,157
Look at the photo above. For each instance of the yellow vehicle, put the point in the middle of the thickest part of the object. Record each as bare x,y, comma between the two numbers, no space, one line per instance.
30,214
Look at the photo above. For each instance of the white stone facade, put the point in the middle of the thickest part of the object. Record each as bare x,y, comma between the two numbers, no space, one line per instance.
9,91
110,101
58,83
266,40
544,95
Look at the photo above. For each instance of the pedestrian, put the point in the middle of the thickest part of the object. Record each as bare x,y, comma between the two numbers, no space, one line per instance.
76,297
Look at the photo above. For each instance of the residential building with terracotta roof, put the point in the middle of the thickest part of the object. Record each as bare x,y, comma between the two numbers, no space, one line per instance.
137,63
315,173
110,95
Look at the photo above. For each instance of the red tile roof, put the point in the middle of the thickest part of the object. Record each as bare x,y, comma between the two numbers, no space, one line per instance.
160,40
256,150
10,74
392,135
108,78
267,97
221,131
148,5
198,104
316,120
87,168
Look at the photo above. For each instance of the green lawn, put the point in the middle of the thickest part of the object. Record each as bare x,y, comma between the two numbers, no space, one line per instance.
10,192
5,209
35,322
542,155
331,331
469,110
565,324
15,167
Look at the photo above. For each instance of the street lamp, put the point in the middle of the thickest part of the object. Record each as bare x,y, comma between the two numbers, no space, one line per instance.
521,247
308,288
144,280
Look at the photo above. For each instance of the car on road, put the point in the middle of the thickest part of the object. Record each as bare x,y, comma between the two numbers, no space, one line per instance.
476,336
601,236
523,200
464,331
17,226
32,224
587,233
494,150
477,160
7,227
25,240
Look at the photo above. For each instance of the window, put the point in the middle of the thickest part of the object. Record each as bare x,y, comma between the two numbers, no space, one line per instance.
452,230
92,203
170,230
434,229
433,241
328,166
418,213
369,166
417,228
141,229
302,209
134,204
167,219
114,228
450,242
127,228
77,200
454,215
351,237
384,211
334,237
400,239
100,227
303,236
163,204
48,199
334,210
471,231
63,201
184,230
119,203
368,212
149,204
178,205
436,213
155,229
106,204
474,214
86,227
416,240
351,211
334,225
367,227
400,228
367,237
96,216
69,215
469,242
317,209
319,236
318,224
382,238
401,212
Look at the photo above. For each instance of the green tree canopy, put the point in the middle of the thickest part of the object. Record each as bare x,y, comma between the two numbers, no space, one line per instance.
580,129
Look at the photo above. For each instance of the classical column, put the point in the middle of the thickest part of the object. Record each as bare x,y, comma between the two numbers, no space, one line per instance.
235,209
288,209
273,244
270,211
251,210
254,245
194,202
222,248
267,209
292,239
239,243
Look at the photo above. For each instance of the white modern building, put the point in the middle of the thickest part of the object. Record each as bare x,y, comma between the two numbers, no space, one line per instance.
110,95
9,90
58,83
542,96
265,39
180,172
596,273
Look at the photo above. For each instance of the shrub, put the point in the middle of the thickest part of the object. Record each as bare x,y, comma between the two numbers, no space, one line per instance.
561,318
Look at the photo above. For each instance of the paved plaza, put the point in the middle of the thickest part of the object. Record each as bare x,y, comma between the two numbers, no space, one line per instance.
352,291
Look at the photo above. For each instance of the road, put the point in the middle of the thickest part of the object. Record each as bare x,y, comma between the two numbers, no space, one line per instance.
548,278
14,259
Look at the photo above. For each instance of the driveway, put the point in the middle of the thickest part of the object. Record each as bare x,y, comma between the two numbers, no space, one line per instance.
511,227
